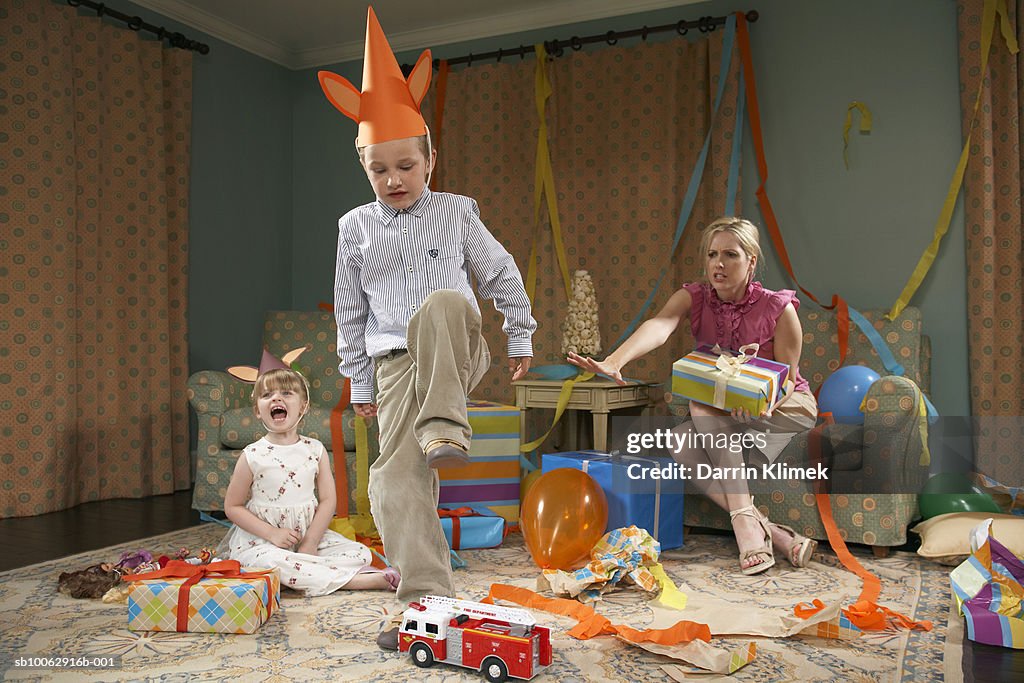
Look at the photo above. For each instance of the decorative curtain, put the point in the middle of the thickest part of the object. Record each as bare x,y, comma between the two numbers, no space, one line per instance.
626,126
95,124
995,242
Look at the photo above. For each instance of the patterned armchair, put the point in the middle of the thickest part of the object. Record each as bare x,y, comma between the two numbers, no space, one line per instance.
873,466
227,423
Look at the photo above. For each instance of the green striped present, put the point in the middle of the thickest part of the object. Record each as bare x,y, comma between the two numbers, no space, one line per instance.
726,381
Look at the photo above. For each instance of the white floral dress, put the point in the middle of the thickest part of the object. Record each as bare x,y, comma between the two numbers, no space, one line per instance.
284,495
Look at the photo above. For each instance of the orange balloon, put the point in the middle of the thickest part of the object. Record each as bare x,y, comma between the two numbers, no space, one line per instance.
562,516
527,482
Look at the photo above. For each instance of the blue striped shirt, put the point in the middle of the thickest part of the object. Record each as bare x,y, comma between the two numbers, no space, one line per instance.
389,261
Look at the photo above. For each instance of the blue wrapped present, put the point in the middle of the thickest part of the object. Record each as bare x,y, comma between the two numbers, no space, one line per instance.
634,497
472,527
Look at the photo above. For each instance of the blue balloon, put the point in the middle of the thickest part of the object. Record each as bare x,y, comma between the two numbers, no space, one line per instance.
843,391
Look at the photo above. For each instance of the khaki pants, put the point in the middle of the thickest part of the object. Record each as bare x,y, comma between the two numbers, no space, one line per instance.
421,396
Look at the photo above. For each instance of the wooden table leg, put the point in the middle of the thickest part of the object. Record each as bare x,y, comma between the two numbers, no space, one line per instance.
600,432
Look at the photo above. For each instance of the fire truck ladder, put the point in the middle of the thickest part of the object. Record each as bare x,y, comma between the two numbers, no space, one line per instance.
512,615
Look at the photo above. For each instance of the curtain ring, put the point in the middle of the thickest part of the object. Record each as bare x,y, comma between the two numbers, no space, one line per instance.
558,48
135,23
706,24
643,33
75,3
501,53
100,9
470,62
681,28
161,33
610,37
576,43
522,52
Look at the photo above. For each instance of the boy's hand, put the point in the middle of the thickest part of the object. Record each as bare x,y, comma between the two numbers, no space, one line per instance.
284,538
365,409
519,367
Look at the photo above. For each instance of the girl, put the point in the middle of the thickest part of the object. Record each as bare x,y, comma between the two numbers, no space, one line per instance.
281,498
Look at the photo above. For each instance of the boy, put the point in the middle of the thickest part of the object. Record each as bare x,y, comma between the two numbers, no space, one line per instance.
405,310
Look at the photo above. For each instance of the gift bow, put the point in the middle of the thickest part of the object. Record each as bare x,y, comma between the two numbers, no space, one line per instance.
730,367
194,573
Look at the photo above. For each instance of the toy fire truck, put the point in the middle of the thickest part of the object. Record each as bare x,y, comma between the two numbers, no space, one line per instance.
500,642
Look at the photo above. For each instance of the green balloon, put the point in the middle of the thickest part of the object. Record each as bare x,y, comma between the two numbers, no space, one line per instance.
953,492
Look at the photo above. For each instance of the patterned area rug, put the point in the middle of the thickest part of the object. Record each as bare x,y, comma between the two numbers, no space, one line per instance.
314,639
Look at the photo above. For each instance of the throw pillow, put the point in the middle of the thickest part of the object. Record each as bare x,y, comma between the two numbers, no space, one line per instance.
947,537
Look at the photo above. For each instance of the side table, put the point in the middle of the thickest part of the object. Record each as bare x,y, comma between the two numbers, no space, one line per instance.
598,396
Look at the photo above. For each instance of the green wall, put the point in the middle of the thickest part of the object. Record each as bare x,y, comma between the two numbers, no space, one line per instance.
855,232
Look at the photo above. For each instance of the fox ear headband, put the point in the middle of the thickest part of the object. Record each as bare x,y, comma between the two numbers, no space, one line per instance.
388,108
269,361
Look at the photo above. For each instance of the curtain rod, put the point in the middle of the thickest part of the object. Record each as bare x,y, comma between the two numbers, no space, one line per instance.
556,48
136,23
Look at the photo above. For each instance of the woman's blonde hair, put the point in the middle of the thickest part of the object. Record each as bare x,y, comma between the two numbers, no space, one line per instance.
281,379
746,234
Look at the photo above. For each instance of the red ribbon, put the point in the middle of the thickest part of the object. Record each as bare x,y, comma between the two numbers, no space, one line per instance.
194,573
456,524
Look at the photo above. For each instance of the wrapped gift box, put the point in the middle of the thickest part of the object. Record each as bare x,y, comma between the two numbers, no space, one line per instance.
655,505
755,385
491,478
218,602
475,527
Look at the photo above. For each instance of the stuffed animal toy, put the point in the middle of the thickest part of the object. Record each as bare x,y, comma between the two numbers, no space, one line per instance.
91,582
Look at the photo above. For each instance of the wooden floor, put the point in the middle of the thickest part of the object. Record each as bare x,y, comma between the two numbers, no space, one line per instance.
28,540
90,526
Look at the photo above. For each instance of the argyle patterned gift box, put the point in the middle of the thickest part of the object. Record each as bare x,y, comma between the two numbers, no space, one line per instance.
752,383
214,598
491,478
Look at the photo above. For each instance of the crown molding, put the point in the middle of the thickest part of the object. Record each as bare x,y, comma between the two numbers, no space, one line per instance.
516,21
222,29
555,14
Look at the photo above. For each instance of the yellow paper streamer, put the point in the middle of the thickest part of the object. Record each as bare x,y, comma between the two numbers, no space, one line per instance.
360,523
563,401
544,182
988,19
865,126
670,597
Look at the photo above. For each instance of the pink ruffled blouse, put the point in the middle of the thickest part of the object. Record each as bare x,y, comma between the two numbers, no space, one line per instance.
731,324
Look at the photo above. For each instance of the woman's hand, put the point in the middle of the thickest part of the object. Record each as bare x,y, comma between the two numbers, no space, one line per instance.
284,538
590,365
365,409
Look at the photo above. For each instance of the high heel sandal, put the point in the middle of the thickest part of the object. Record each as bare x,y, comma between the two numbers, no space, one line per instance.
802,550
766,549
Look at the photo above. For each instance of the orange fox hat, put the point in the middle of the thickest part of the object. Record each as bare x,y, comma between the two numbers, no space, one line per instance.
388,108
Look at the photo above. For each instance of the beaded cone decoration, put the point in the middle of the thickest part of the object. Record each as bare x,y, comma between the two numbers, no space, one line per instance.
580,331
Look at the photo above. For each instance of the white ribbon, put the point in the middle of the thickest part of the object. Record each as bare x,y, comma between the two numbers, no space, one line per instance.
729,367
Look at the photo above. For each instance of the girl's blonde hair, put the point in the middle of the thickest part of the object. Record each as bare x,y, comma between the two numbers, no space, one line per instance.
745,232
281,379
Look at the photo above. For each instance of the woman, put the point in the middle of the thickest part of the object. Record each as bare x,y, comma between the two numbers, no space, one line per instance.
731,309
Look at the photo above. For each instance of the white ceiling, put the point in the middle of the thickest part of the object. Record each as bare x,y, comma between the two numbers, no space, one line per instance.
306,33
